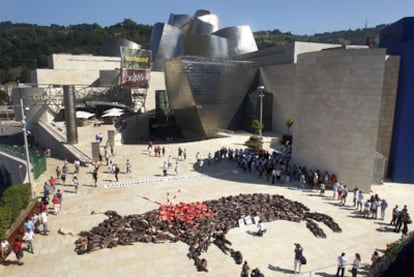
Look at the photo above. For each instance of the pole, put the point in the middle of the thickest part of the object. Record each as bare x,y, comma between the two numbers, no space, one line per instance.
26,146
261,88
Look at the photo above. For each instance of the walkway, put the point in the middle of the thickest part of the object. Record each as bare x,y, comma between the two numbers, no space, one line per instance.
273,253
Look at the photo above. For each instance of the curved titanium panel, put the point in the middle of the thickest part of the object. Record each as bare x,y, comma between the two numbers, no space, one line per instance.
163,44
206,93
201,13
205,24
241,39
111,46
178,19
204,46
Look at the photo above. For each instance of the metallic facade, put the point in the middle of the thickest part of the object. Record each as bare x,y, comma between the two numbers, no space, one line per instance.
204,24
204,46
111,46
163,44
198,35
178,20
207,94
240,39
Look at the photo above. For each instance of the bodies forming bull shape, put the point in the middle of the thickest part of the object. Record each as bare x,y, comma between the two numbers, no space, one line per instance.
203,229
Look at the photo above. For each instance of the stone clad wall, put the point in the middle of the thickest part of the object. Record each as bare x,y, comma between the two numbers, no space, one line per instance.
280,81
386,121
338,100
84,62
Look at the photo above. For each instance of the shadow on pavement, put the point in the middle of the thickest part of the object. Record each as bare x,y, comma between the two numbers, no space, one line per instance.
279,269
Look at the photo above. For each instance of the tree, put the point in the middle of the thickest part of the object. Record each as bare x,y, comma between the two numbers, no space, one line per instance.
4,98
289,122
256,126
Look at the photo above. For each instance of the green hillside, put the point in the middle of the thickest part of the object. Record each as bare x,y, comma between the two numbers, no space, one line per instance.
24,47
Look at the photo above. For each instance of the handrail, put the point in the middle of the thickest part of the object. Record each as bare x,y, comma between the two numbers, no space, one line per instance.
75,150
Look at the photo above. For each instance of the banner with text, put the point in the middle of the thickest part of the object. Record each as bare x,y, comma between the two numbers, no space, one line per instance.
135,78
136,68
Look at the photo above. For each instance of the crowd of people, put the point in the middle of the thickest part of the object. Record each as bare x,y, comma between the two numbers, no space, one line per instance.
270,165
277,170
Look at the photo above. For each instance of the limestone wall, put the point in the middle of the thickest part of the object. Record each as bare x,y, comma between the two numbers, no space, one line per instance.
389,95
280,81
83,62
338,100
75,76
306,47
157,82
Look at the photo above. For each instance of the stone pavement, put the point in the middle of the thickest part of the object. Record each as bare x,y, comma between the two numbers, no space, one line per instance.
273,253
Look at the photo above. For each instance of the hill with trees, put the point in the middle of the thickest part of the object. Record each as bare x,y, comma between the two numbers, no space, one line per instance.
24,47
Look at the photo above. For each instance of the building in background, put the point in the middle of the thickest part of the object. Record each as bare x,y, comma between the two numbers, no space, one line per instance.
342,99
398,39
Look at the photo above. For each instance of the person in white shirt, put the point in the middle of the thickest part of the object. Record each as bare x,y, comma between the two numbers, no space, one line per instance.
360,200
341,265
355,265
28,238
262,228
43,215
335,188
4,248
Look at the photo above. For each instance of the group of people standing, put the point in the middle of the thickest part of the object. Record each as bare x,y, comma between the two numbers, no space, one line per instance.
342,262
246,270
401,219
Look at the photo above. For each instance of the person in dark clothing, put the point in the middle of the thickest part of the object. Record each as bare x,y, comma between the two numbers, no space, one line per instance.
400,219
116,172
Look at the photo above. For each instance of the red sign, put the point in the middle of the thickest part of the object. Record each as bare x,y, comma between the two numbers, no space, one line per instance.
135,78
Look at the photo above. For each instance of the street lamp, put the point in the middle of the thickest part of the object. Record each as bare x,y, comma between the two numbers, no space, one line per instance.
261,95
26,147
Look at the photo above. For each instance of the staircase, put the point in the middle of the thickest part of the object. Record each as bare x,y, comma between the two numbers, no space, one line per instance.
55,138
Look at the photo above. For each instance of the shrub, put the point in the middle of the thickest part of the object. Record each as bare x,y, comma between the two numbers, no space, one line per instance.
254,143
15,199
256,126
6,220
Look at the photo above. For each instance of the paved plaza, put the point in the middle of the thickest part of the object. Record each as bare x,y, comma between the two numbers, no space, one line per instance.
272,254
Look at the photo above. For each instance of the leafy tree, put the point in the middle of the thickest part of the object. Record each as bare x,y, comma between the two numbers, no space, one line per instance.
24,47
256,126
4,98
289,122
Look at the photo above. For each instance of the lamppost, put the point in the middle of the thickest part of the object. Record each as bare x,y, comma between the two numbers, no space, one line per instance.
26,146
261,95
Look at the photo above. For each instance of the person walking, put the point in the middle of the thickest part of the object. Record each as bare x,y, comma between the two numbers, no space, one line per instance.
395,213
116,172
298,257
59,195
56,204
341,265
75,182
77,164
164,169
177,168
18,250
95,177
245,270
384,206
58,172
128,166
106,157
45,220
28,238
355,265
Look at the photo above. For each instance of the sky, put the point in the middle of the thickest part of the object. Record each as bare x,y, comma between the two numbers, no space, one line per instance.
296,16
